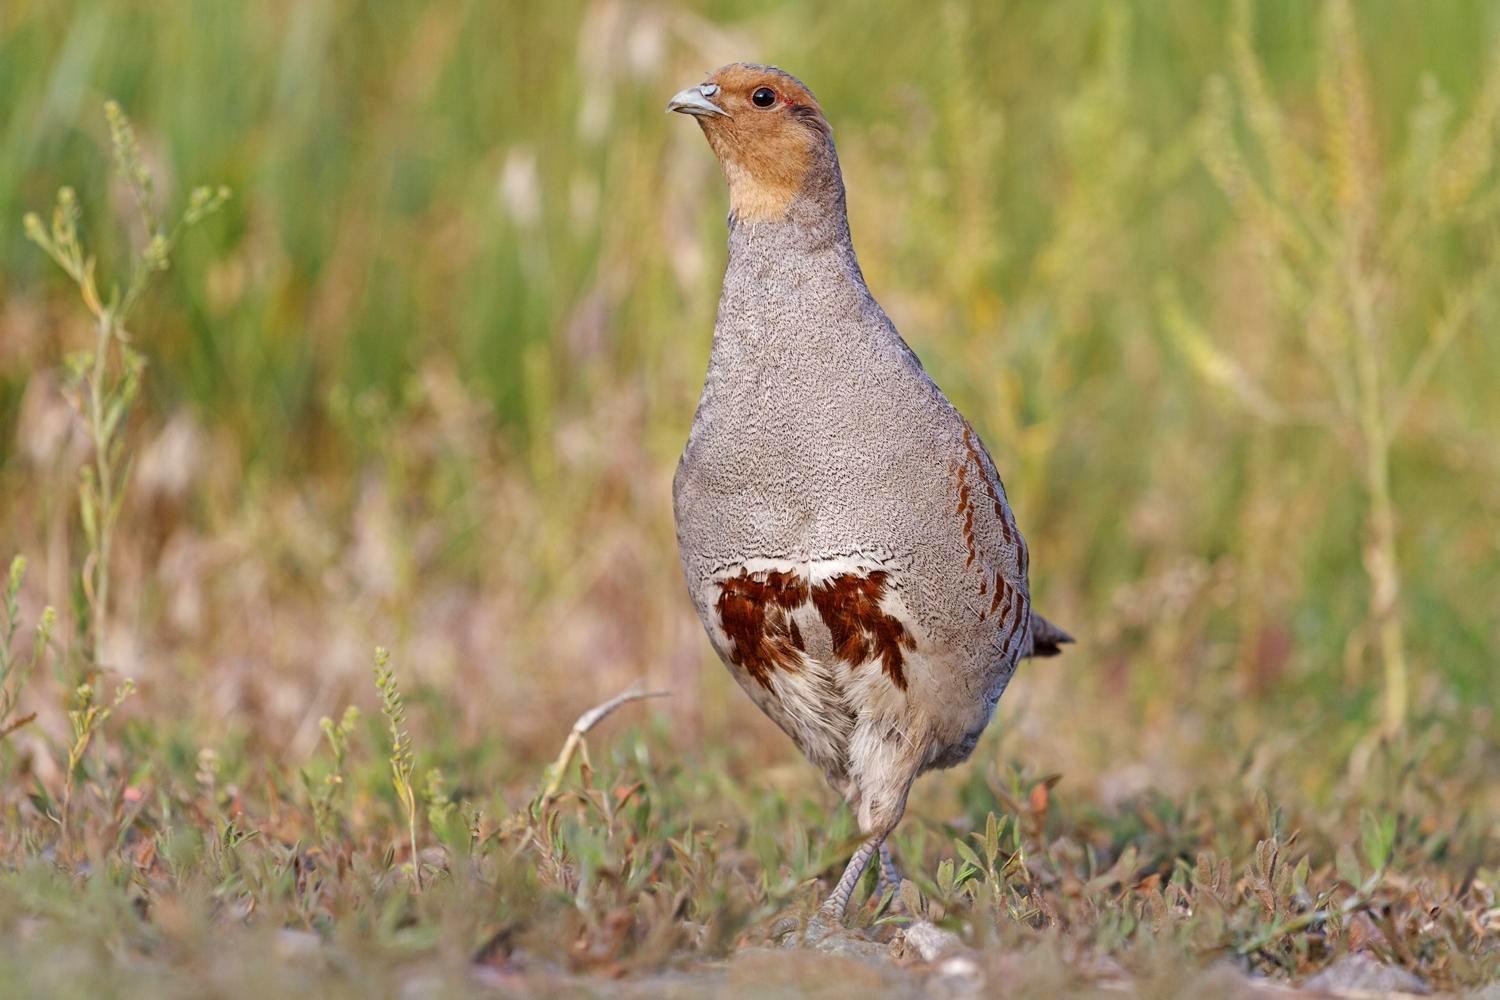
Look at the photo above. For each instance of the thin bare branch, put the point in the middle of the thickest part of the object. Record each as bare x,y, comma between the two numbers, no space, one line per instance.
588,720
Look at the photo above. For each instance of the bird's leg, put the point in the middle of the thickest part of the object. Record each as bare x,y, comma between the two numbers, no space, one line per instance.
826,931
880,799
890,876
837,901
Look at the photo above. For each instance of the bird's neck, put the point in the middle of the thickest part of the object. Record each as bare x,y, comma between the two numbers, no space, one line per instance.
772,261
811,214
811,236
789,281
793,291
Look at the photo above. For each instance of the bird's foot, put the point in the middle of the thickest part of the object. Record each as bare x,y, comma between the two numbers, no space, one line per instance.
825,932
821,926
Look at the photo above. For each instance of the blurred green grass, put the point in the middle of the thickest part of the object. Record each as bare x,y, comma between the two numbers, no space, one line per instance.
495,187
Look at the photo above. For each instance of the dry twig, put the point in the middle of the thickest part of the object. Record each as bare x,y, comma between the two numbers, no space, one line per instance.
588,720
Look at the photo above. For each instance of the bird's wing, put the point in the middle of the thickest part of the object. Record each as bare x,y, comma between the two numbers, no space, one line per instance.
994,545
995,555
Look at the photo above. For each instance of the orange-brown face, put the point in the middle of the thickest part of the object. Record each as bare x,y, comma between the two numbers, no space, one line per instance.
766,129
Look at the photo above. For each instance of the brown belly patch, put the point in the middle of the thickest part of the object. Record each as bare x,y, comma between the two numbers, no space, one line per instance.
850,606
755,612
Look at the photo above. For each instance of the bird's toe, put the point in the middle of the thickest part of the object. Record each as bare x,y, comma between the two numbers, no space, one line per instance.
831,937
821,926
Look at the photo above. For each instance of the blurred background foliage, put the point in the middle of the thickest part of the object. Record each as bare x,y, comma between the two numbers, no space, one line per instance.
424,380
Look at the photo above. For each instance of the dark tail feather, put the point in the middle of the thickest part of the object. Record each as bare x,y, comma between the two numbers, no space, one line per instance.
1046,638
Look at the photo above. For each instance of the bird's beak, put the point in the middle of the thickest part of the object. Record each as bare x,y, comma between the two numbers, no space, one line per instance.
695,101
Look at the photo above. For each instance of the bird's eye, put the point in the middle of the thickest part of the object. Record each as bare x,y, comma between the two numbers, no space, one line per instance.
763,98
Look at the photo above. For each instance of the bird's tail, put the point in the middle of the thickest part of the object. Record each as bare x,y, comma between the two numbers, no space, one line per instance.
1046,638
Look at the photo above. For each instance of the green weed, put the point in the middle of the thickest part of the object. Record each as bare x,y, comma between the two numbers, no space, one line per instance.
402,758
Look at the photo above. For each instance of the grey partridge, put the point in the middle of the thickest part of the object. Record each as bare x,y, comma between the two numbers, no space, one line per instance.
846,539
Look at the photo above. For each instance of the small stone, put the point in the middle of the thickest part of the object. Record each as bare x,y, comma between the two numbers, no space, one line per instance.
292,943
931,941
959,967
1361,974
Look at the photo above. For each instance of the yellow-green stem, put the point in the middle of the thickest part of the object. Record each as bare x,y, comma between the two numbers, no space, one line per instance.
104,487
416,860
1380,546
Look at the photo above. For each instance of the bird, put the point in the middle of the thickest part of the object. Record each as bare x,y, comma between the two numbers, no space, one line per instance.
845,536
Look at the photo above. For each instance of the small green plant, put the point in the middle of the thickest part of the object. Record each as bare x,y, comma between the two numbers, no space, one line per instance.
403,760
13,674
326,796
102,385
210,767
103,382
1005,875
87,717
441,809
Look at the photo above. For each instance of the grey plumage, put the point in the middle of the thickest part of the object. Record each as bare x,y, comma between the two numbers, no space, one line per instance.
846,539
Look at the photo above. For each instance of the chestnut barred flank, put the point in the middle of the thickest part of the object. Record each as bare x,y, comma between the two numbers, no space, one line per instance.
850,607
755,612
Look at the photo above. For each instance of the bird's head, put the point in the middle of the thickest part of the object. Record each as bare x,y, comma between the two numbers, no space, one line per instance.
769,134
